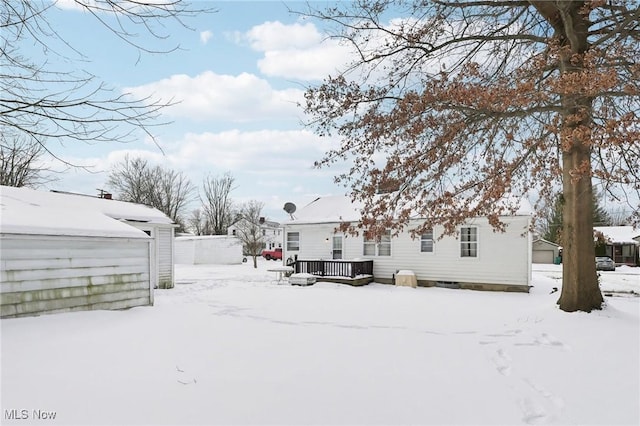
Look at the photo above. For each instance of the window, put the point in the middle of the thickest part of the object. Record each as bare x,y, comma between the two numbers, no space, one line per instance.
469,242
337,247
293,241
380,246
426,241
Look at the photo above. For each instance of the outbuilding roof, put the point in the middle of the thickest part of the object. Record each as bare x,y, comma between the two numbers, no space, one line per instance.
31,212
120,210
17,217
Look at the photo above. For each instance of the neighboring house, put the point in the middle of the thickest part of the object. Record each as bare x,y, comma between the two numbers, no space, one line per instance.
622,243
61,260
545,251
272,232
208,249
148,219
476,258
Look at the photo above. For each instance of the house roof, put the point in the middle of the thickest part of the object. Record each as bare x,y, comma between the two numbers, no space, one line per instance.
619,234
120,210
334,209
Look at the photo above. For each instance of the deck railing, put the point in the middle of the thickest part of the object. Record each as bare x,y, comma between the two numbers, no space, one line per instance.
335,268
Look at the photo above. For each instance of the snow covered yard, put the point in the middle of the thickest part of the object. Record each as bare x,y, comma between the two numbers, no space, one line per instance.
230,346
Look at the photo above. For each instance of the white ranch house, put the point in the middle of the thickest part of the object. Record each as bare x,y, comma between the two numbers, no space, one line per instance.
477,258
64,252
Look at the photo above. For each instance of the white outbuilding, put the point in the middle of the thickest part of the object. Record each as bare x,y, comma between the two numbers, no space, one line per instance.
61,260
147,219
66,229
208,250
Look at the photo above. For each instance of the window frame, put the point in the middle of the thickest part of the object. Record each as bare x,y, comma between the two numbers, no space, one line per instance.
376,243
290,245
425,240
470,244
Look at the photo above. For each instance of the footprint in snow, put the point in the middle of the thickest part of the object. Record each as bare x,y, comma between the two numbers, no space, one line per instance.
502,362
548,340
182,380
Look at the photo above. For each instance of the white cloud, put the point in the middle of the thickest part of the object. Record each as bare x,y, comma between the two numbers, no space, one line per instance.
265,152
205,36
296,51
211,96
74,5
276,35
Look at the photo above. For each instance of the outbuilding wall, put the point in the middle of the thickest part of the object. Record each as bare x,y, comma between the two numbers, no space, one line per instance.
49,274
162,252
208,250
544,251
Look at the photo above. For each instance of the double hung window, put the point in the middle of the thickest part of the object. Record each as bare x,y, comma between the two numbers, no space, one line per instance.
468,241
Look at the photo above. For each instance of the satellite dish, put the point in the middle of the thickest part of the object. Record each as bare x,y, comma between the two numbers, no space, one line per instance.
290,208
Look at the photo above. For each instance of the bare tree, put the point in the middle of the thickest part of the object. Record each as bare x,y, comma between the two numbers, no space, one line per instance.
619,216
45,102
248,229
135,180
217,204
197,222
20,162
465,101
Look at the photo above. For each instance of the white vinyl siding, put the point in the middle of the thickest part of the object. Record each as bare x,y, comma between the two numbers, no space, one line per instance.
165,257
509,262
162,252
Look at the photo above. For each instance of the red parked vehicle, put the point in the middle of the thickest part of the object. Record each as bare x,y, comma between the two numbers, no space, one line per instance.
275,254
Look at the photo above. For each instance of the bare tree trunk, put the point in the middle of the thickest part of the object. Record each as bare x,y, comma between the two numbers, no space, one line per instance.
580,289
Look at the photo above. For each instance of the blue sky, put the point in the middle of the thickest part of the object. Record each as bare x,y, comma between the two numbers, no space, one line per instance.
238,76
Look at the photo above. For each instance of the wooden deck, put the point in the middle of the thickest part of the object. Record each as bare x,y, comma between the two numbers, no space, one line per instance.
352,272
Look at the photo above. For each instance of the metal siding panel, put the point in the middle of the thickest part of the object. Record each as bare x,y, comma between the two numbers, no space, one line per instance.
165,257
48,283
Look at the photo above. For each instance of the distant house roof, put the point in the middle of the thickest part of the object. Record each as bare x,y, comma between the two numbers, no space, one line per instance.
70,202
620,234
335,209
542,241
